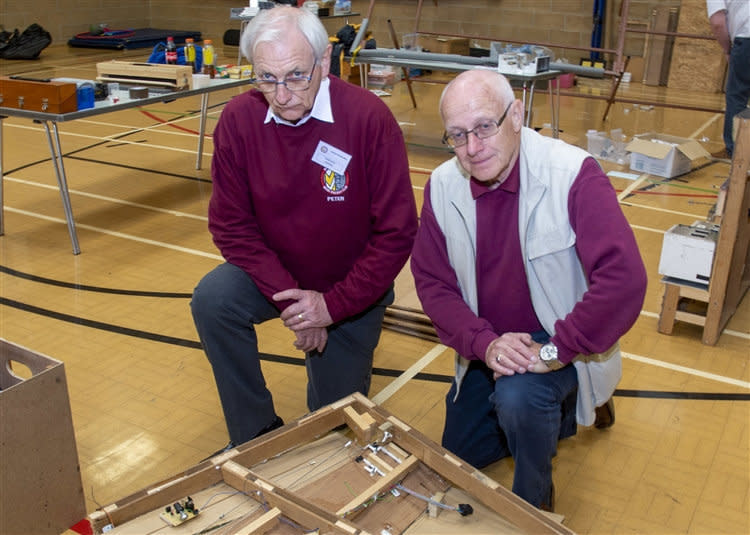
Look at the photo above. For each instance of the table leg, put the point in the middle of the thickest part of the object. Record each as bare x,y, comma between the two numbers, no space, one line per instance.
554,103
62,183
201,130
531,103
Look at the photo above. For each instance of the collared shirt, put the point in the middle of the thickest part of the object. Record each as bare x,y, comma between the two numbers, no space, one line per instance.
499,262
321,109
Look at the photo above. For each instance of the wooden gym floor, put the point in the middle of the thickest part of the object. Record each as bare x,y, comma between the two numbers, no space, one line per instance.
143,398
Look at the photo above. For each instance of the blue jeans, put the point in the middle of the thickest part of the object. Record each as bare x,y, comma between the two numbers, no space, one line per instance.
738,86
227,305
522,415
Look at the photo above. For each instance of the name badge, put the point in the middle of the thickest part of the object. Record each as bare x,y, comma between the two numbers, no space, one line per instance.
331,158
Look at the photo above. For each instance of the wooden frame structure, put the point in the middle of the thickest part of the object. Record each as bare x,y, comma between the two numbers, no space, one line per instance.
361,454
730,274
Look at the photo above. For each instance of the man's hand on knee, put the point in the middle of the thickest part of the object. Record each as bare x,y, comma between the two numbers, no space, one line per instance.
313,339
309,309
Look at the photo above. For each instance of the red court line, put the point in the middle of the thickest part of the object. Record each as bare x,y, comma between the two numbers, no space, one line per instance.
162,121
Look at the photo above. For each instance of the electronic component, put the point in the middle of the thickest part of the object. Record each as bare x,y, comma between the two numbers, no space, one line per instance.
179,513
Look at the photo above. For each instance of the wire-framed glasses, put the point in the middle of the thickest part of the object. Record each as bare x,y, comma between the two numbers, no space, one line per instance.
482,131
293,82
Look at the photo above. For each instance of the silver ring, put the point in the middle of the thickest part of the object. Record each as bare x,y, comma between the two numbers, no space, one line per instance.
497,358
299,315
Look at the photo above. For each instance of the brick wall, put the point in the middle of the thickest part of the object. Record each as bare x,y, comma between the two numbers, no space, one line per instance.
562,22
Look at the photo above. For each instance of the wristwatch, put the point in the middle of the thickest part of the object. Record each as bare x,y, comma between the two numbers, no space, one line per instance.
548,355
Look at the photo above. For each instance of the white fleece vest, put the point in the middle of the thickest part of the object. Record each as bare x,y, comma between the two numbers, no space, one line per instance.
556,278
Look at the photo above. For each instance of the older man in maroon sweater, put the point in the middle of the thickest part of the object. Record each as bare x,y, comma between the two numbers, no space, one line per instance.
313,211
528,268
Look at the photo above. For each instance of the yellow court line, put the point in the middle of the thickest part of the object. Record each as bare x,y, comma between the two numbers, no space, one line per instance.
689,371
109,199
636,183
408,374
705,125
120,235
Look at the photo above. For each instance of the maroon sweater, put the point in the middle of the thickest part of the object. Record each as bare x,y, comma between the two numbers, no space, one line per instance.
275,213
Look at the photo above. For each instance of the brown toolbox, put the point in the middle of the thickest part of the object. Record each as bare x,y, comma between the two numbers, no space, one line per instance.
37,95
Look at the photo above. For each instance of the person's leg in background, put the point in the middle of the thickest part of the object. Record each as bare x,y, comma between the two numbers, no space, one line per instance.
738,87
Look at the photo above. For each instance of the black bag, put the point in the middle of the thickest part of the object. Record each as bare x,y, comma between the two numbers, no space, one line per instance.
27,45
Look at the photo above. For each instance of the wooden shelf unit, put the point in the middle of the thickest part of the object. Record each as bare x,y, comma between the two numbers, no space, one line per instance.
730,274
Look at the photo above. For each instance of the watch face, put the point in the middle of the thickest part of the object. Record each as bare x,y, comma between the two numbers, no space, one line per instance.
548,354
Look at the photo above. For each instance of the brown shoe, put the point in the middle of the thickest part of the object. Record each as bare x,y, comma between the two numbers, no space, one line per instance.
605,415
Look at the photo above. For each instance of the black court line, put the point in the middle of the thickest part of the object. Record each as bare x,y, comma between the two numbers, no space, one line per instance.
297,361
87,288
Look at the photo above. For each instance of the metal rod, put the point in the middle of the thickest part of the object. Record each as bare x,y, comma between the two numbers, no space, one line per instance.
404,69
62,183
201,130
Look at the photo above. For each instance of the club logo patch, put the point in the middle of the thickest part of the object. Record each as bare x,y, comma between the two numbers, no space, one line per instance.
333,182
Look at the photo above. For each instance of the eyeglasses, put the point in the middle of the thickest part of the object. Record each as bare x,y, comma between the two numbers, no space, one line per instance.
293,82
482,131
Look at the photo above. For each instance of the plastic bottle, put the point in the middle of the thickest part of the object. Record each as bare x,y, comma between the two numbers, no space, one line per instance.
171,51
190,54
209,58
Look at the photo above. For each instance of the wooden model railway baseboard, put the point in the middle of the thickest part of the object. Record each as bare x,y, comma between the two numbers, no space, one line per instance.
175,77
349,468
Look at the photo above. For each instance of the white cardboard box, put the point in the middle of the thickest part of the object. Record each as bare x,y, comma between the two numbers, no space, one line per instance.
664,155
687,252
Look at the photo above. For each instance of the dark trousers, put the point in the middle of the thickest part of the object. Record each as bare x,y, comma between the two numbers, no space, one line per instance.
523,415
227,305
738,86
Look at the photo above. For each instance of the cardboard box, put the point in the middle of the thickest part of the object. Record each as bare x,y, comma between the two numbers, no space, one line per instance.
40,481
664,155
47,96
444,45
688,252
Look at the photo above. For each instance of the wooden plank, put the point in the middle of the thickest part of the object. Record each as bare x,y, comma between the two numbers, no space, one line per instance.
363,424
174,76
729,274
376,488
668,308
308,515
262,524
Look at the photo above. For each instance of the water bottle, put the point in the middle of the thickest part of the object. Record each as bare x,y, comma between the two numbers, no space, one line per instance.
190,54
171,51
209,58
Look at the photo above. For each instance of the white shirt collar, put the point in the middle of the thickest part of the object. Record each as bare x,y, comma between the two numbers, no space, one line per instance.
321,109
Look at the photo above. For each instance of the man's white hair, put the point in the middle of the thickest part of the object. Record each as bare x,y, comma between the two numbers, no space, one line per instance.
273,25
